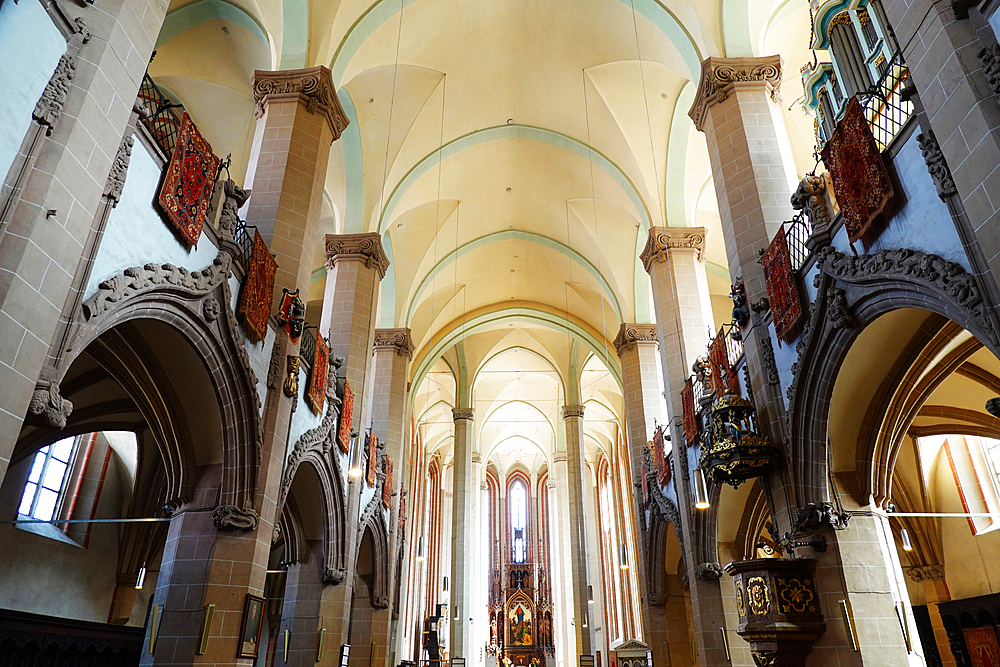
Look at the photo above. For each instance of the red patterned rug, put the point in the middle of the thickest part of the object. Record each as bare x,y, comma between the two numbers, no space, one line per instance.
372,459
662,464
782,288
318,375
258,290
722,375
387,487
860,179
690,417
344,435
187,187
984,650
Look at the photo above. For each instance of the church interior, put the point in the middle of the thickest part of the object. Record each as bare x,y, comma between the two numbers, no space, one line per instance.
453,333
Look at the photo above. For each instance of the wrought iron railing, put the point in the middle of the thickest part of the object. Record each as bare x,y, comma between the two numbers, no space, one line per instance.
885,108
734,342
307,346
797,231
244,239
162,120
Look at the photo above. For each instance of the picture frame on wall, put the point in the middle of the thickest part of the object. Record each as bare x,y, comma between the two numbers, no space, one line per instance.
253,621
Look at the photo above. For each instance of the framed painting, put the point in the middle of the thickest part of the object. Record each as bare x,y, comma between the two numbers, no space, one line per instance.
253,621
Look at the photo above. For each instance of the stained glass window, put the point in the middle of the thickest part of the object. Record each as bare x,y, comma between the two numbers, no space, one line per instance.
518,520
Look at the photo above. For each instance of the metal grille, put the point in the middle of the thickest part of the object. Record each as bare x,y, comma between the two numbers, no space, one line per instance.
885,109
244,239
734,344
162,121
797,230
307,347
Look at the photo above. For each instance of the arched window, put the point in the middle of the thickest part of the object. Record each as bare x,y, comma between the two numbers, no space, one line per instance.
518,521
46,483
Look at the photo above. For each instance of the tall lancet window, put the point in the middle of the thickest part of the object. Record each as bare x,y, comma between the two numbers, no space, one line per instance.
518,521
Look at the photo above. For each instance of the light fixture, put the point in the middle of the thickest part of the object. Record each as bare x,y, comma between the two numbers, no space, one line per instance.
458,615
444,586
141,579
586,619
590,594
420,548
624,558
700,490
355,469
905,536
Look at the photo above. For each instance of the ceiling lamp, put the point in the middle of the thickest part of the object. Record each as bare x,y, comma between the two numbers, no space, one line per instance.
732,450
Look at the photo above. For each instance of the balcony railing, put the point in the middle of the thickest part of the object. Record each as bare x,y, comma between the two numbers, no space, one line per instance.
797,231
162,120
885,108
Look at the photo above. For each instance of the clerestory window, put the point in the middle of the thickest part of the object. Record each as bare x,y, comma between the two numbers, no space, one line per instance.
518,521
47,480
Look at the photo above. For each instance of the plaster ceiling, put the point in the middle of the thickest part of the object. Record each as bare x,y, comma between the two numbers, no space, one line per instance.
513,156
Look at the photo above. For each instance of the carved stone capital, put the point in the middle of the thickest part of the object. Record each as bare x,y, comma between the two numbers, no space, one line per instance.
231,517
397,339
663,239
630,335
313,87
463,413
925,573
47,407
366,247
572,411
332,575
720,76
708,571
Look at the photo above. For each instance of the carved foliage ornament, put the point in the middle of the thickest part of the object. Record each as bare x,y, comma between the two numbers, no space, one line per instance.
631,334
50,106
119,169
990,57
367,246
936,164
313,86
47,407
398,339
708,571
662,238
719,77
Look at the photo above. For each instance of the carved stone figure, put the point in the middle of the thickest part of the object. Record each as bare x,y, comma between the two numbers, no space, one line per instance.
810,197
229,218
50,105
119,169
47,408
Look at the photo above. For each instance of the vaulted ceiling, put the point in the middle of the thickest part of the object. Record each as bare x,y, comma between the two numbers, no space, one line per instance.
513,156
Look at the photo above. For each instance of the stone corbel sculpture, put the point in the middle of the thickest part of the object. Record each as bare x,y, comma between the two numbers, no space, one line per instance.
47,407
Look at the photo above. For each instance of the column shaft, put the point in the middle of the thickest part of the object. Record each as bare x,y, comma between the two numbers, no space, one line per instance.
576,488
462,552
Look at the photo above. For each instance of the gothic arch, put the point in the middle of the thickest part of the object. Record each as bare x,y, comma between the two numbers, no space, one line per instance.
374,524
852,292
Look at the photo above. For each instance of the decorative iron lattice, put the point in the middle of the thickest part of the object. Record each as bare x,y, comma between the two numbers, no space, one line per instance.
797,230
885,108
307,344
162,120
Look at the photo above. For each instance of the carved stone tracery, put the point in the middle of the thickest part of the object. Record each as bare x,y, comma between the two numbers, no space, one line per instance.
990,57
50,105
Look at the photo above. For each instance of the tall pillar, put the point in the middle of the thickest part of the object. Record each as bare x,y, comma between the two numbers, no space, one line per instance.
577,488
737,109
46,219
638,351
674,259
393,349
463,578
355,265
288,163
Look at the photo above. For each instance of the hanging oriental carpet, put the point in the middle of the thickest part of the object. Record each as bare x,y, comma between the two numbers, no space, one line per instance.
255,300
984,650
662,464
372,458
387,485
722,375
187,187
690,418
782,289
318,375
344,435
860,179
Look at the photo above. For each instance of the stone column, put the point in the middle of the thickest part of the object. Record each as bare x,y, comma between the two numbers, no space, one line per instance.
638,350
46,219
393,349
355,265
674,259
288,163
737,109
577,487
463,578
